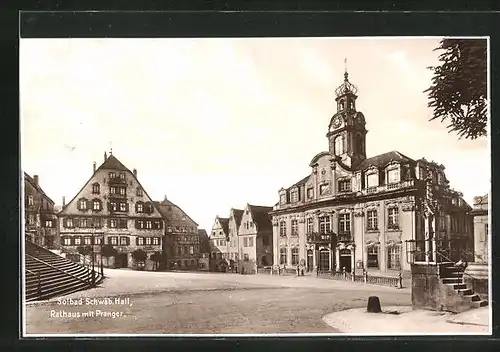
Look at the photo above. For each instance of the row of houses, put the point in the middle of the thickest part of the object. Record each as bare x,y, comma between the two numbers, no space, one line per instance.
351,212
112,208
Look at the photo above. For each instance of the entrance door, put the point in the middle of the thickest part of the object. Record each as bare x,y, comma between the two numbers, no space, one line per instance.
310,261
345,260
324,260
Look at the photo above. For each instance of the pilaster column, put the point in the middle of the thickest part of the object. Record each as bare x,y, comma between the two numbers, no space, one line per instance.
330,255
353,259
314,257
337,259
427,239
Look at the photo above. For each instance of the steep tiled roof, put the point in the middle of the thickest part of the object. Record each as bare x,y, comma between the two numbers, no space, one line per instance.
224,222
238,214
203,239
383,159
301,182
113,163
164,209
260,215
37,187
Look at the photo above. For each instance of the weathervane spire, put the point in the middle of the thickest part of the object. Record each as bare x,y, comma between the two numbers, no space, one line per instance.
345,69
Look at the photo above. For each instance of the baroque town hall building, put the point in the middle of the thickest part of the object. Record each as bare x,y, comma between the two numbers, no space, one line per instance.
354,212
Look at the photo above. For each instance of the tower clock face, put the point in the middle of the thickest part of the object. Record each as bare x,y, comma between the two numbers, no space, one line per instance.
337,122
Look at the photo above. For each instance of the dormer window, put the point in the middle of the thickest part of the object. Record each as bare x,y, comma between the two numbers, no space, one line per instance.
294,195
372,180
96,189
30,200
139,207
393,176
310,192
345,185
283,198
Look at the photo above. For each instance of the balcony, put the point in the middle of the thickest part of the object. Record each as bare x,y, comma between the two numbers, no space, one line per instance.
316,237
344,236
388,187
117,181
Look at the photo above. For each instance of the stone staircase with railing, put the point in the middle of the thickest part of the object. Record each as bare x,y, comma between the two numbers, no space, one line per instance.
459,295
49,275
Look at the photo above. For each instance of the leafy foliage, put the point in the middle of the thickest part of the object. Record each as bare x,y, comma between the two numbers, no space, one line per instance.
139,255
458,92
108,251
84,250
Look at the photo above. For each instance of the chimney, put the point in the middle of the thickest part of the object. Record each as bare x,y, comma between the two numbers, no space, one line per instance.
105,156
35,179
135,172
165,197
64,201
94,167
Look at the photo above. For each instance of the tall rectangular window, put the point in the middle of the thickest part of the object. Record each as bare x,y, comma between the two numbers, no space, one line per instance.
113,223
123,241
372,260
393,218
394,262
156,240
324,224
310,225
372,220
140,241
245,241
295,256
295,227
294,196
123,206
283,255
78,240
114,240
250,242
345,222
87,241
282,228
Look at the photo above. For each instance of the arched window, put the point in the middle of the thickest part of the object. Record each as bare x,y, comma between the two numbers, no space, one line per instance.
30,200
339,145
341,104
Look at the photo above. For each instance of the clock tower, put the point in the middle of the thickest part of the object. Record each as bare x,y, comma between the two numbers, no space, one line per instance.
347,132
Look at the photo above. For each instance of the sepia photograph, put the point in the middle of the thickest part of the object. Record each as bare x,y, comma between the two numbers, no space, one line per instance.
294,186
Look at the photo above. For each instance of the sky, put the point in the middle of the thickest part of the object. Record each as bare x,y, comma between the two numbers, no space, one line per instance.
217,123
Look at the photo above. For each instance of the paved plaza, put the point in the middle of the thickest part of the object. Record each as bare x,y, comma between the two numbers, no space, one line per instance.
204,303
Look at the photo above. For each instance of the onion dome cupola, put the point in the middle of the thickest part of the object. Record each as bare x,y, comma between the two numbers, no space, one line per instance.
346,131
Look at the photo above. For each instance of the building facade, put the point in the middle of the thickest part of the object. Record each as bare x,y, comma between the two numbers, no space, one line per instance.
181,244
255,237
354,213
40,220
112,208
219,237
233,228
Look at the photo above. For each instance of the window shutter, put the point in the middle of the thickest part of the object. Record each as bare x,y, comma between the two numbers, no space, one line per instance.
109,222
128,241
109,240
76,222
126,207
136,224
137,241
65,222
